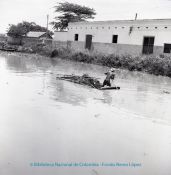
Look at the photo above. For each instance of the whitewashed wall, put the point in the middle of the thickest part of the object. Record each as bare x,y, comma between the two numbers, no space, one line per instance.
102,31
60,36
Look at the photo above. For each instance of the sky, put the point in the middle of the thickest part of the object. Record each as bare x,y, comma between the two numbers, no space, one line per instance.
15,11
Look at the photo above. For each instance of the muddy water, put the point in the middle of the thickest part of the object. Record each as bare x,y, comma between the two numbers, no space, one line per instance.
47,120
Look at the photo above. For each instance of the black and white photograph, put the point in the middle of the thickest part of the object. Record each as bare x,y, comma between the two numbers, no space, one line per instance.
85,87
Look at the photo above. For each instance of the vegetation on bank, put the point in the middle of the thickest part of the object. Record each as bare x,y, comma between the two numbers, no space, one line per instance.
157,65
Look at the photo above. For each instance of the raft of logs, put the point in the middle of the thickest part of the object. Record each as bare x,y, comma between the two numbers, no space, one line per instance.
85,79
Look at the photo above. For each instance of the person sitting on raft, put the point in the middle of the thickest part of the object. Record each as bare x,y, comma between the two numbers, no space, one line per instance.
109,76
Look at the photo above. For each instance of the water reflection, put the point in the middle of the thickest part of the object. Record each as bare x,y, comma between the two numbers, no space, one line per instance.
107,97
140,93
67,93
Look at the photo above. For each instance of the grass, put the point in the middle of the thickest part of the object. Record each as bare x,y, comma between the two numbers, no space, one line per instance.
157,65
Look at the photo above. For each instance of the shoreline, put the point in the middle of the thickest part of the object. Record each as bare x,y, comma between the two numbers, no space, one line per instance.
151,64
154,65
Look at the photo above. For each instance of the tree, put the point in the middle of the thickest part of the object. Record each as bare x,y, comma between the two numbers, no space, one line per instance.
21,29
71,13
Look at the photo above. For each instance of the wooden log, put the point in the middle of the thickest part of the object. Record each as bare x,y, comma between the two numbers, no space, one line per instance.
83,80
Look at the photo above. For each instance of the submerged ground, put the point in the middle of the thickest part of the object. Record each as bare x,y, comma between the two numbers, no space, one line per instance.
47,120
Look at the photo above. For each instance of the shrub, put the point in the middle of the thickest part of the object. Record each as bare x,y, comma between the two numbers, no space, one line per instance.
157,65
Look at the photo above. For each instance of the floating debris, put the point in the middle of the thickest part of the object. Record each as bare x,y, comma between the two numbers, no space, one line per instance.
85,79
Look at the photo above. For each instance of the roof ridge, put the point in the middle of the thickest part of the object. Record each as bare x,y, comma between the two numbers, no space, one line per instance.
127,20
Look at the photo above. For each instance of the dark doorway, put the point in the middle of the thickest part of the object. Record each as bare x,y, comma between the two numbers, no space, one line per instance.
114,38
148,45
76,37
88,42
167,48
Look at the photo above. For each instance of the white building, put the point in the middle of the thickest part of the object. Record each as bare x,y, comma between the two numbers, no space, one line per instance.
134,37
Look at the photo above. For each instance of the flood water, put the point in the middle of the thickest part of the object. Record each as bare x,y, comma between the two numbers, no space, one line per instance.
47,120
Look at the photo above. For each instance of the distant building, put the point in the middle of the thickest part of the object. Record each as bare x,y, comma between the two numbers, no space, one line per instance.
134,37
40,35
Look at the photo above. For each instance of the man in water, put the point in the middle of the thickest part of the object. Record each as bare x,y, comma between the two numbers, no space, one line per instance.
109,76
